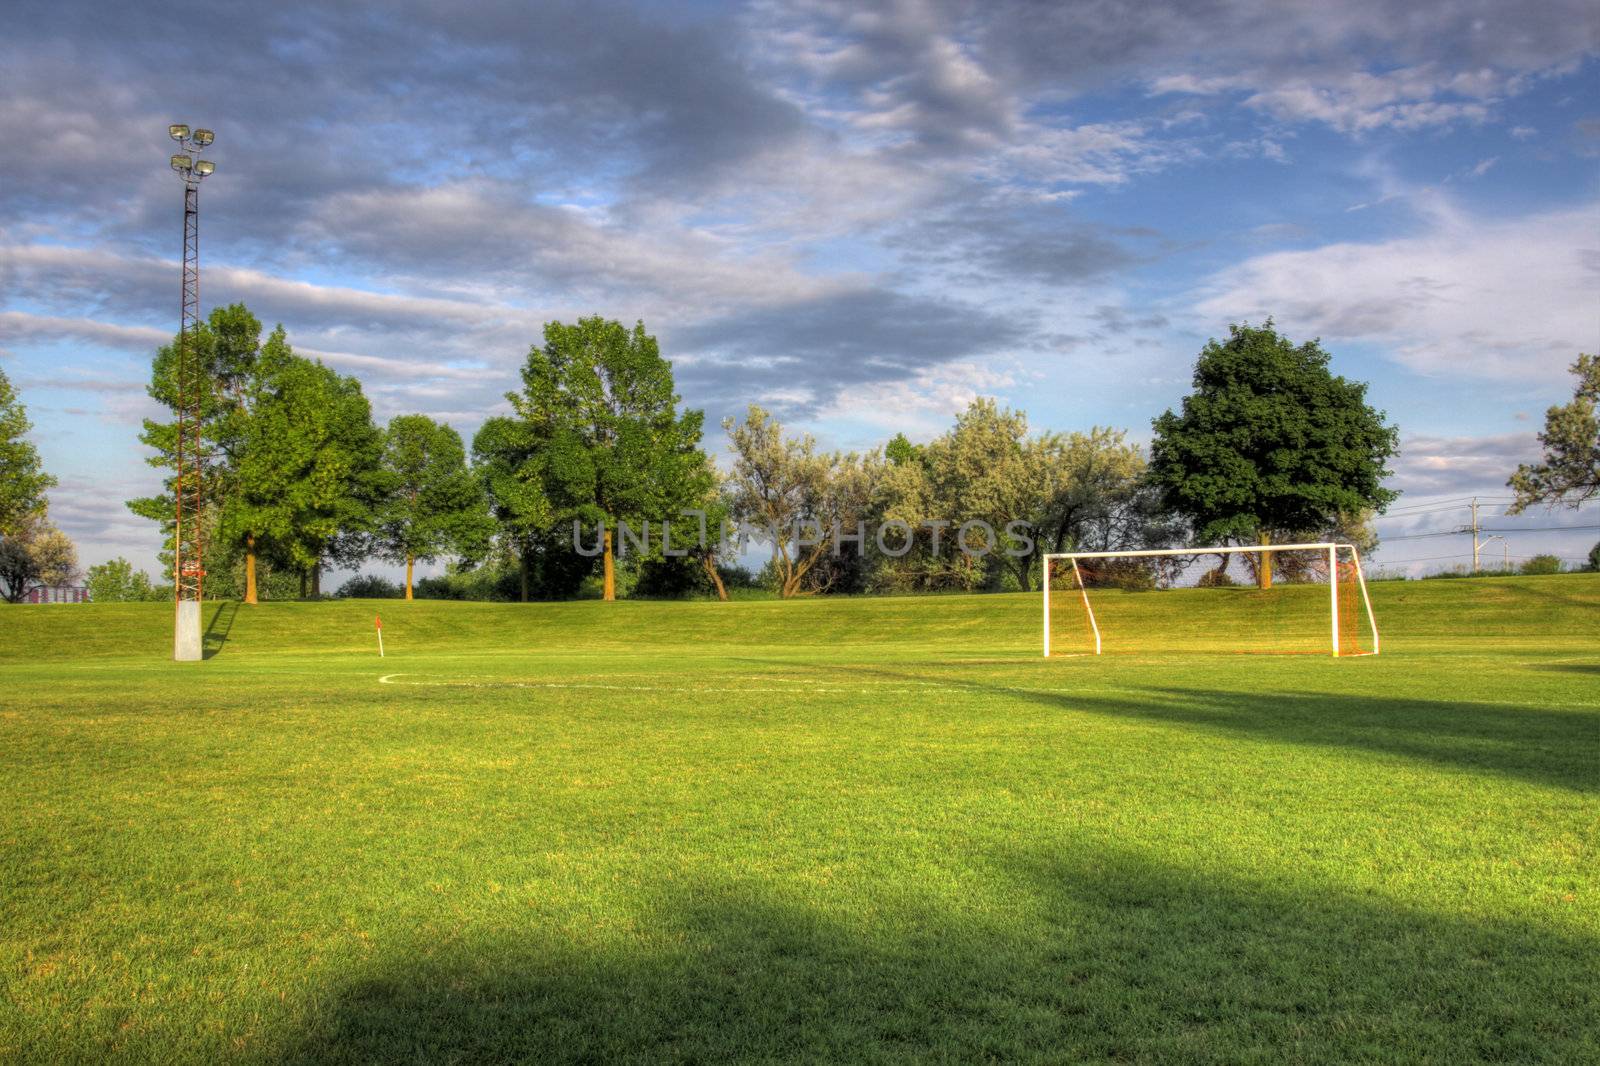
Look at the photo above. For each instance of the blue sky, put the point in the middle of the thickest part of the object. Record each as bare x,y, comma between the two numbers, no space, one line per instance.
859,215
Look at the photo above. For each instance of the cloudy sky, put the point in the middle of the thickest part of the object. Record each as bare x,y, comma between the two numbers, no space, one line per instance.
860,215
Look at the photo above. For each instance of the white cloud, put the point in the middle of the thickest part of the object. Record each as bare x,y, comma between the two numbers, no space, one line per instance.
1354,111
20,325
923,405
1459,466
1487,298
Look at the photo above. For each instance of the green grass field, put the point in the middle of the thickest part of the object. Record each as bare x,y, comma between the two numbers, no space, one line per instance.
872,830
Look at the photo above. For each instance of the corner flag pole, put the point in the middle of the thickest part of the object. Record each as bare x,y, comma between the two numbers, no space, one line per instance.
379,619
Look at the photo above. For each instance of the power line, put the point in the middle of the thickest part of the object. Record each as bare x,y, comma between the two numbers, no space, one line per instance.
1443,505
1467,530
1538,529
1419,509
1419,514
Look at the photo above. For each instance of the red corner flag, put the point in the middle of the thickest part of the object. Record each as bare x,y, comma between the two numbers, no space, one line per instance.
378,618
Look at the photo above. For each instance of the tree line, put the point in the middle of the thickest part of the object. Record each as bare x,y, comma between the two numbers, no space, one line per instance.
1268,447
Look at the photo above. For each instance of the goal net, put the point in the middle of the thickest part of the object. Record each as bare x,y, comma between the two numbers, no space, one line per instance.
1209,600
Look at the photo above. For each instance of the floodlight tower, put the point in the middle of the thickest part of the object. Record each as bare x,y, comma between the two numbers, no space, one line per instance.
188,568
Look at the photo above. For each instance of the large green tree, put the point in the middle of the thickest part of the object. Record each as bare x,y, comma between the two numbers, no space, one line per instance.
227,346
1569,472
602,438
432,505
1270,442
307,475
22,480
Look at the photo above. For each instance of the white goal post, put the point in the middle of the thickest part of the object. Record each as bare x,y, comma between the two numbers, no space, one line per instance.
1333,550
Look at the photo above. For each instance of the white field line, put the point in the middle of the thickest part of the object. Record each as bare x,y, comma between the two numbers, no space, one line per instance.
389,679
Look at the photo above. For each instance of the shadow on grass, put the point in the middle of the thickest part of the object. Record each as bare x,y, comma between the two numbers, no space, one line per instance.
216,634
1547,746
1092,955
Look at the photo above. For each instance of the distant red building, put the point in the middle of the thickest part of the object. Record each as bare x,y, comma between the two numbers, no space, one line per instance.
57,594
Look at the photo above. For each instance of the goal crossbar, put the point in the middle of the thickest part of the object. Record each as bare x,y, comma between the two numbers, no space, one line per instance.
1331,547
1323,545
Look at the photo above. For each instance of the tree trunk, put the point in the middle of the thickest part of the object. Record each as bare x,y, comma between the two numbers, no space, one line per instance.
316,578
1024,570
611,571
250,568
1265,569
302,584
522,557
409,561
710,563
1219,571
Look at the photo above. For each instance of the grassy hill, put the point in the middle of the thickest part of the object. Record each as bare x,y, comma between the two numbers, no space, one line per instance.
1438,616
829,830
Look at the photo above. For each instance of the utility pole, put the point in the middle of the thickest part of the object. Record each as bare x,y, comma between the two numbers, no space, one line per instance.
1475,544
1479,543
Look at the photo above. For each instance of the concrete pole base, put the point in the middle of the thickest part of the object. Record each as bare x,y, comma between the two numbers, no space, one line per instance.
186,643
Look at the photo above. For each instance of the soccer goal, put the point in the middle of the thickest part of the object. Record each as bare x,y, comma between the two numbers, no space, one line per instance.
1208,600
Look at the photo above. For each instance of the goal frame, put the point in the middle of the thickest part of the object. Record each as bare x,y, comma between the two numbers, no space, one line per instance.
1333,548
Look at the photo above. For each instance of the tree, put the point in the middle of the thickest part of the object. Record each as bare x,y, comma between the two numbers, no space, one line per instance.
18,571
35,553
22,480
900,451
307,475
1570,472
603,439
1356,530
719,520
1083,491
236,376
369,587
983,470
433,504
687,556
228,348
1270,441
116,581
510,466
1098,497
1594,559
798,495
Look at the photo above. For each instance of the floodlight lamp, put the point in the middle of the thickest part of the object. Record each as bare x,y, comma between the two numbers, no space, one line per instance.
178,131
203,138
181,163
204,167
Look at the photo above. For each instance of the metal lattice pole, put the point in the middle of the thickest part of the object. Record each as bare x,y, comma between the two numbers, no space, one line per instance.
193,386
189,569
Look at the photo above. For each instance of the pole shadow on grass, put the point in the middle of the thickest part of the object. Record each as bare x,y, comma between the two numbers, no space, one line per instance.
1545,746
216,634
1098,954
